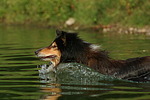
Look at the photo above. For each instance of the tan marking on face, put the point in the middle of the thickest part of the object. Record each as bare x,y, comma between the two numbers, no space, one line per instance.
51,50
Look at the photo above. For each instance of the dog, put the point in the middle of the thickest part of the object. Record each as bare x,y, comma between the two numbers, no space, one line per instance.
68,47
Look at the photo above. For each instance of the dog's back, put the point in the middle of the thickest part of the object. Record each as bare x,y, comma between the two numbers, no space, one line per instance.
137,69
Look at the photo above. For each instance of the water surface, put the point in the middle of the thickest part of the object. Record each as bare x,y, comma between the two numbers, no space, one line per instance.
20,79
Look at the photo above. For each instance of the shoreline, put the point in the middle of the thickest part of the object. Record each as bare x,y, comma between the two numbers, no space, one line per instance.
118,29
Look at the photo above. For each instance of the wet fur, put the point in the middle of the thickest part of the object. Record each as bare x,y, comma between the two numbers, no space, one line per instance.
74,49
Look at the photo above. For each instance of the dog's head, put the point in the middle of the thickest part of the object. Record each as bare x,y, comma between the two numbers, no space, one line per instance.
55,50
68,47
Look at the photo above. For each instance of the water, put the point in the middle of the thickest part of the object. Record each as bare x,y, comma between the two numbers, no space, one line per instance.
20,79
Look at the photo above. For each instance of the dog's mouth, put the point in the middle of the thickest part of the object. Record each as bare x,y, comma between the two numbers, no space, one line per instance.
53,59
50,57
47,58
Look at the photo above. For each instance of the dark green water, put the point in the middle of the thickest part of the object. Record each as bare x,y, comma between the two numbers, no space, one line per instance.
20,79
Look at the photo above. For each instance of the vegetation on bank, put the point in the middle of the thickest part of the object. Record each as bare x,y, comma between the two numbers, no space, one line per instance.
85,12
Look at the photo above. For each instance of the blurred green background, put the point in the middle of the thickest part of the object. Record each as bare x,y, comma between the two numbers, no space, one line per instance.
85,12
19,76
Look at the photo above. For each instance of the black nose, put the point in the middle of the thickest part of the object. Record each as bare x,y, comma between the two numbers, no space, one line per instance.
37,51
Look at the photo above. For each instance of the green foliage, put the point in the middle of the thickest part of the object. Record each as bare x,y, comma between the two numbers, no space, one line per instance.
86,12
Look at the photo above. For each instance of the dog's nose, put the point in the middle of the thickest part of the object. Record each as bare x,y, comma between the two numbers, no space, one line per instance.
36,52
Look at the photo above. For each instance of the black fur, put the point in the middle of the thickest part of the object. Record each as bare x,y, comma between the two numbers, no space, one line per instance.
74,49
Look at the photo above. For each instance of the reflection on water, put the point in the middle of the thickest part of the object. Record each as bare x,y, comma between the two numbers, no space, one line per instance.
20,79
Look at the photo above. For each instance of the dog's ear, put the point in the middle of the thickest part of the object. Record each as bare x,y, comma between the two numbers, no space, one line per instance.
58,33
62,35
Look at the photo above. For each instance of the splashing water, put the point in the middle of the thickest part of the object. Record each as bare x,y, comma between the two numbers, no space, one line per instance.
46,68
71,72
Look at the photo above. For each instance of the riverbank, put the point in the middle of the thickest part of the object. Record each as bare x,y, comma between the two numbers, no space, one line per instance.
122,29
115,29
98,15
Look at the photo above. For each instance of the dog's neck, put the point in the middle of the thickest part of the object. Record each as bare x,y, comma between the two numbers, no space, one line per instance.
93,57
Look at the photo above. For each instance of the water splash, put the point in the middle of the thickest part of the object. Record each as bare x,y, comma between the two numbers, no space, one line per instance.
46,68
71,73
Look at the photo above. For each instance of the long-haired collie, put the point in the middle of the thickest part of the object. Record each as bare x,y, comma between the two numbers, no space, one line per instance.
68,47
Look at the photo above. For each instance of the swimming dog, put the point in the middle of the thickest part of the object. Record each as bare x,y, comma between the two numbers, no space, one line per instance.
68,47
